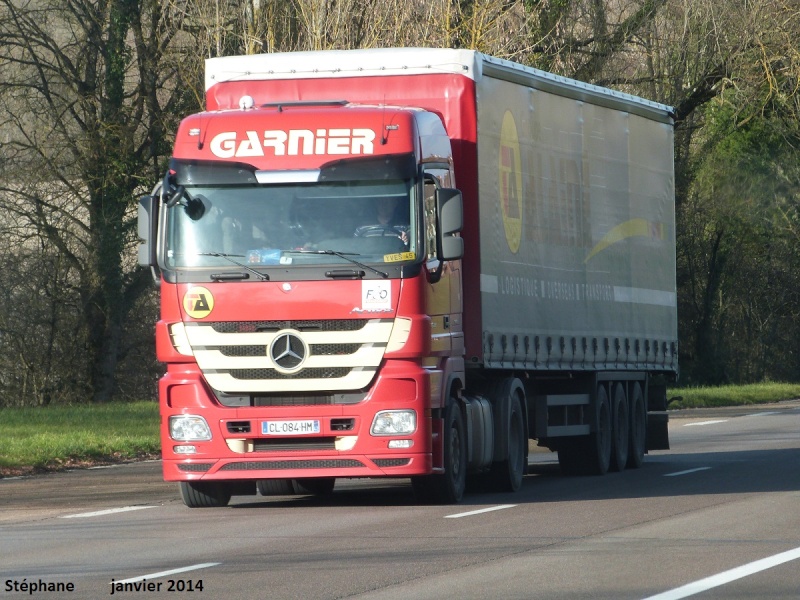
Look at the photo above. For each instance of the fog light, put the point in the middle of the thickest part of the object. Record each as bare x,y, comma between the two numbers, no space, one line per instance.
394,422
401,443
189,428
184,449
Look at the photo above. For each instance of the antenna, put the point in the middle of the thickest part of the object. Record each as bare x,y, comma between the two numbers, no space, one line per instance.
384,137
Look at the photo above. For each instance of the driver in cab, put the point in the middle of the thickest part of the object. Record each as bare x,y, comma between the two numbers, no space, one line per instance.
386,221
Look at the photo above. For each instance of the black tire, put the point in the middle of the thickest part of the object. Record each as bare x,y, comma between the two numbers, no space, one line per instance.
205,494
620,428
447,488
598,454
316,486
638,437
507,475
275,487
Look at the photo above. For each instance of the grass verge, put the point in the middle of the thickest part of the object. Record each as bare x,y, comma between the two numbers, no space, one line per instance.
52,438
731,395
35,440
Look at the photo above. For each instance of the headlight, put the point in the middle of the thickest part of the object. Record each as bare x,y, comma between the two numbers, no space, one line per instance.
394,422
189,428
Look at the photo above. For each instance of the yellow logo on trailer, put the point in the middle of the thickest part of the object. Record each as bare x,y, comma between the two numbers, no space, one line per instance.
511,182
198,302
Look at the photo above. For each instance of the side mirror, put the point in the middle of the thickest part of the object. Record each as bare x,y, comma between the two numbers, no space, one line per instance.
450,211
171,193
147,229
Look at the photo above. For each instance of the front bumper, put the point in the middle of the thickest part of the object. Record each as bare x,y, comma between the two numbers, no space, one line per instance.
342,447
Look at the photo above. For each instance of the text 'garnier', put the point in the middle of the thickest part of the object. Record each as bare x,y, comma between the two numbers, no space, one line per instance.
230,144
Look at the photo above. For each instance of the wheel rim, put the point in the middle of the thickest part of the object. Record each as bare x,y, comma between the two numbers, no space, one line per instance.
621,433
516,451
604,440
638,430
455,452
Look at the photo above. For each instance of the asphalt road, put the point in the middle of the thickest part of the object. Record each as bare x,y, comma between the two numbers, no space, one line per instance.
718,516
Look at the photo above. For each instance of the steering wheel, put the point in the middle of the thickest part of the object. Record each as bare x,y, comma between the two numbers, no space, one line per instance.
382,231
378,231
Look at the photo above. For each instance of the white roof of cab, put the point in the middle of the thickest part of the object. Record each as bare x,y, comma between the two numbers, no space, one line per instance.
340,63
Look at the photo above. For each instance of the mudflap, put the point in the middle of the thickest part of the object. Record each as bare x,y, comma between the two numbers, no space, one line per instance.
657,431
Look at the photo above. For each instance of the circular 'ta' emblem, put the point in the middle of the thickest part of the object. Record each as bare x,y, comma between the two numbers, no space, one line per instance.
198,302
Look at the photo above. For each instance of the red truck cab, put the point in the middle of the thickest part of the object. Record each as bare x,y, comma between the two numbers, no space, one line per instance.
306,335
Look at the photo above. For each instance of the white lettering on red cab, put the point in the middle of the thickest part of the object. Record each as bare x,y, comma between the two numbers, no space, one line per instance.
230,144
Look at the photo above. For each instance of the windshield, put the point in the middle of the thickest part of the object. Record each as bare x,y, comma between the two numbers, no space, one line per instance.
292,224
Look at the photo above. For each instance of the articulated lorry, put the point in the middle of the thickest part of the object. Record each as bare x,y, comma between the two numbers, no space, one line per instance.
409,263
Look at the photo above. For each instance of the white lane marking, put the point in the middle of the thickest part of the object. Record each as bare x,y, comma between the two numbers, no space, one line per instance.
687,471
764,414
102,513
752,568
166,573
480,511
706,423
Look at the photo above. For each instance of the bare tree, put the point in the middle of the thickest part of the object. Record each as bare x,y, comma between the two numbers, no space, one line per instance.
86,100
92,90
731,70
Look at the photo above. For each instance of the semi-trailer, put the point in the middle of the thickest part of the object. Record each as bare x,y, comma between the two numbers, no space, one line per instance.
410,263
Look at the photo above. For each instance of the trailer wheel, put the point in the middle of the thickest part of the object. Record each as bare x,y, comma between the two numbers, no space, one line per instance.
598,455
620,429
275,487
205,494
507,475
638,428
447,488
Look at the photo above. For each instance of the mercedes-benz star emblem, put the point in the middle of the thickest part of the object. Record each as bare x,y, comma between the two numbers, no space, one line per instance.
288,351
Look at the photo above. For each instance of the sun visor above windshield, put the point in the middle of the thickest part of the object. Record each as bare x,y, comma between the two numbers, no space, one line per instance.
201,172
395,166
371,168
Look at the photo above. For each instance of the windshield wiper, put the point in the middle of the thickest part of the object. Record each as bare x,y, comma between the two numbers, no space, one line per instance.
344,255
229,258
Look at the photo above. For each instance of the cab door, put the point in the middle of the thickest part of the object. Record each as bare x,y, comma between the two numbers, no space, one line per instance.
443,294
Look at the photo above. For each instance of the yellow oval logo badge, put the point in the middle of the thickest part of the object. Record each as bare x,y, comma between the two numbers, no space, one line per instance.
198,302
511,182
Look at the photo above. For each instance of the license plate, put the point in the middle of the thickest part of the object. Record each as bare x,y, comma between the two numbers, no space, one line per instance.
308,427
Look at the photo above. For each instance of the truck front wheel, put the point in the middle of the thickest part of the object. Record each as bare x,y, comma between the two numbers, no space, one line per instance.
205,494
447,488
275,487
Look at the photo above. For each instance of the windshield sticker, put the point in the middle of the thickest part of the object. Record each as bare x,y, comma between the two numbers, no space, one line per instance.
264,256
399,257
376,296
198,302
